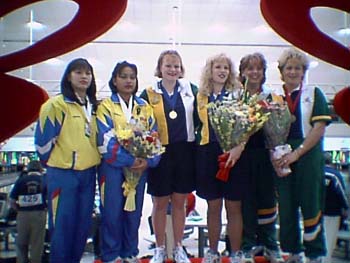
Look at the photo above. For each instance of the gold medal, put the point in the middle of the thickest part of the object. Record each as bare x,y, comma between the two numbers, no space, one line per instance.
173,115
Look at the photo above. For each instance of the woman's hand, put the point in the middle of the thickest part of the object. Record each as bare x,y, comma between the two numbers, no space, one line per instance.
139,166
288,159
234,155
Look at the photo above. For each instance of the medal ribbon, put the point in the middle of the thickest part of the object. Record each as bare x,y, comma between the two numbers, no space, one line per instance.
127,109
292,105
170,100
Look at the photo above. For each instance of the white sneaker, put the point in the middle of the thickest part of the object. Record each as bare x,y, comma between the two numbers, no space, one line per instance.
211,257
132,259
180,255
273,256
237,257
295,258
159,255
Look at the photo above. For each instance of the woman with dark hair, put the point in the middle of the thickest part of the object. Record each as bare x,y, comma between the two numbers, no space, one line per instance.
67,148
119,228
259,206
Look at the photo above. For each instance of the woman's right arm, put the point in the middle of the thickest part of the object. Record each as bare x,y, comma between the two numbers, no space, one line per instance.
110,149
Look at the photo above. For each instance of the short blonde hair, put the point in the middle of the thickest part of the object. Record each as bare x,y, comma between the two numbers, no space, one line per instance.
158,72
292,53
206,80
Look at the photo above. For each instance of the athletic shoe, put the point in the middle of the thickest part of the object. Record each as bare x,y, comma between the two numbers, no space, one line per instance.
159,255
237,257
273,256
180,255
295,258
211,257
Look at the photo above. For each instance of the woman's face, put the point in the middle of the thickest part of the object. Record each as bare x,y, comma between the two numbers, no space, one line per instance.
254,72
293,72
171,67
125,81
220,71
80,79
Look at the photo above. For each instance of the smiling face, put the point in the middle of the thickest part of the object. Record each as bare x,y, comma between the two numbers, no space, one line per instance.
293,72
170,68
125,82
254,72
220,72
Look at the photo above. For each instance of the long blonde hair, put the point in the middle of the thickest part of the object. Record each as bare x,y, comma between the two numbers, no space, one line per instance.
206,84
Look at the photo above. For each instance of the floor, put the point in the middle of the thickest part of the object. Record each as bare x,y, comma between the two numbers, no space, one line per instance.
191,243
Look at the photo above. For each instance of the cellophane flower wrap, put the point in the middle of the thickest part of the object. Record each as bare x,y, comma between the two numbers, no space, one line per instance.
233,122
276,129
141,143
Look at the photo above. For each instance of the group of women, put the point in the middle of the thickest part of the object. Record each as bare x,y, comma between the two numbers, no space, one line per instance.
76,137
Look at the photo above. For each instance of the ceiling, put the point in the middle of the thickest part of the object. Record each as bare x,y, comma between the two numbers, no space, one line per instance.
197,28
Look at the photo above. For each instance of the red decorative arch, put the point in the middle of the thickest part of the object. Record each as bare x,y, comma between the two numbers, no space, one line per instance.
21,100
292,20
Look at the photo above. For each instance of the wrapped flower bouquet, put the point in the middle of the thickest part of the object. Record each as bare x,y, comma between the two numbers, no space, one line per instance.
233,122
276,130
141,143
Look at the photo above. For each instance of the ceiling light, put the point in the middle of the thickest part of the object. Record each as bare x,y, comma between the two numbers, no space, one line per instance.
344,31
32,24
35,25
313,64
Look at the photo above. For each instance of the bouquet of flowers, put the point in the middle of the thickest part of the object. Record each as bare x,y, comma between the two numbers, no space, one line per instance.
233,122
276,130
141,143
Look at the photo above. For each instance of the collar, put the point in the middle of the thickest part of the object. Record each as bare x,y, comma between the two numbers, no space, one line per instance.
183,87
136,99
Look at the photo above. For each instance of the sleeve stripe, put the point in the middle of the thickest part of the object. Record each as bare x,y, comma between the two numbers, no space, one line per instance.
46,148
321,118
114,154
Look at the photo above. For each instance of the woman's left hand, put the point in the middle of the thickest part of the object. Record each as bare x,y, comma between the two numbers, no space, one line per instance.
234,155
288,159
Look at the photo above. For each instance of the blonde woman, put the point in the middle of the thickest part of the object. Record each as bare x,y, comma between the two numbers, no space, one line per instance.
301,192
218,80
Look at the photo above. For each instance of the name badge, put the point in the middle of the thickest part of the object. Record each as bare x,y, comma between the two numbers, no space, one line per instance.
30,200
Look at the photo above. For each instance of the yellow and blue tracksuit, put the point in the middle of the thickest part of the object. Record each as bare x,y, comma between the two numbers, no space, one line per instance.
119,228
65,145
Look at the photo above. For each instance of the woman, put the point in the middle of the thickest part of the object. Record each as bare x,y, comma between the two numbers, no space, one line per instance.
218,80
172,100
67,147
259,206
119,228
301,193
